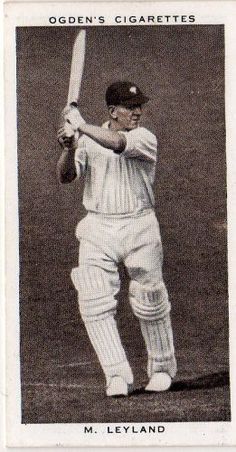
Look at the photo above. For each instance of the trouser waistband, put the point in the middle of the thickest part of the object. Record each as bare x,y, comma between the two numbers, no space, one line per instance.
121,215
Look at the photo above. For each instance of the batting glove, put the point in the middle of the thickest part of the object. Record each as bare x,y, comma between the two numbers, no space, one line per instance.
72,116
67,137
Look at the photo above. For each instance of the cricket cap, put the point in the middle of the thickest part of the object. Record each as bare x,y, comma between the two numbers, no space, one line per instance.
125,93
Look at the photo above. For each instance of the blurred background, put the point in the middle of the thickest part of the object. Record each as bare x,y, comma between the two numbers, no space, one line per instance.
181,69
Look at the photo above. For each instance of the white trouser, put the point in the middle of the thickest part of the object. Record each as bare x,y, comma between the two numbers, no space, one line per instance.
105,241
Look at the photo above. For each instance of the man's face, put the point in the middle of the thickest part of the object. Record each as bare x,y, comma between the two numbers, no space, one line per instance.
127,118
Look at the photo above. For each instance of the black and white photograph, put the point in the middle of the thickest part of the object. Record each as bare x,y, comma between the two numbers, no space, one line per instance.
123,289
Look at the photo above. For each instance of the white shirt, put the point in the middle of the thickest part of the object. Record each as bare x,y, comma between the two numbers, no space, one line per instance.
118,183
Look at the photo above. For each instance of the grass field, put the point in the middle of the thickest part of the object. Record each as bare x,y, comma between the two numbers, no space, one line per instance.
182,70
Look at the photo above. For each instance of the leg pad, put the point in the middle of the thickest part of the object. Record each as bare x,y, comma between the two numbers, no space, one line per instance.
158,338
96,291
149,304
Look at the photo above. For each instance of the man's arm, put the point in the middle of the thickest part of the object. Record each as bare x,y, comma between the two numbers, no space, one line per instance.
141,144
107,138
66,170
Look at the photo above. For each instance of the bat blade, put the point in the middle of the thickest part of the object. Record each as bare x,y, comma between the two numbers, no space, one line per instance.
77,66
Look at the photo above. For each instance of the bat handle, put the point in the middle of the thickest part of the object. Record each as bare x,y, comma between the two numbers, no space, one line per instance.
74,104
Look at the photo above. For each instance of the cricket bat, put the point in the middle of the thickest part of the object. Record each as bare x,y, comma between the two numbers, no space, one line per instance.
76,72
77,67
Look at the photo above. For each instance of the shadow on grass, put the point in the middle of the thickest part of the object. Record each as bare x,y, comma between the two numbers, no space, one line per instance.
206,382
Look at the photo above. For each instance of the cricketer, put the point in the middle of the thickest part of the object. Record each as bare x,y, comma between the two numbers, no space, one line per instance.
118,163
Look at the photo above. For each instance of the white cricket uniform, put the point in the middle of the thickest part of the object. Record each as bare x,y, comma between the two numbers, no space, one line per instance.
121,227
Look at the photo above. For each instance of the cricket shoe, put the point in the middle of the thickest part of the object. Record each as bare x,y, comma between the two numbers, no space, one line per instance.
159,381
118,387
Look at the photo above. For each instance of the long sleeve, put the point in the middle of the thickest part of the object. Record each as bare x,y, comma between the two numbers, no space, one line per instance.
142,144
81,158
